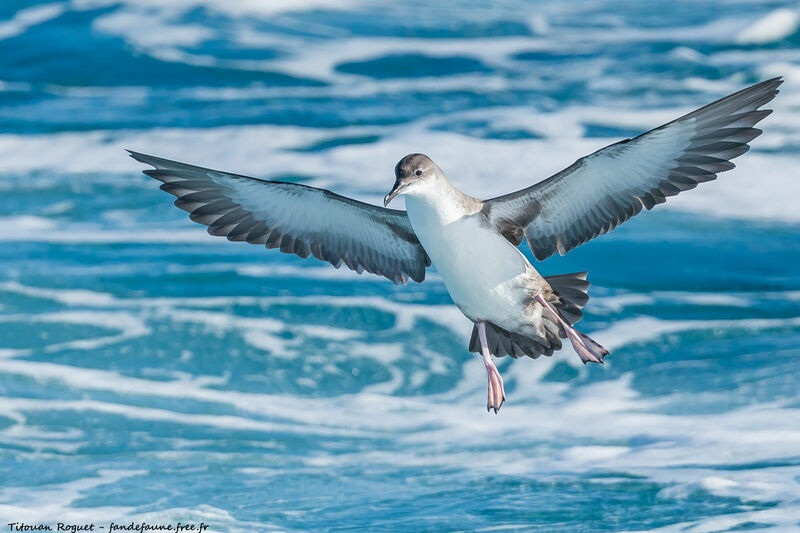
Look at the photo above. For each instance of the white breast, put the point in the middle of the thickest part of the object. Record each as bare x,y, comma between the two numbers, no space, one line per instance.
479,267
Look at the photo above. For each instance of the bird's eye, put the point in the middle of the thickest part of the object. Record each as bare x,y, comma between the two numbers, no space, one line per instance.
418,172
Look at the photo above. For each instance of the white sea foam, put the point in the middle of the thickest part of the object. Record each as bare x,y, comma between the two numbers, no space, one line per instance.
633,330
31,504
318,58
88,298
621,334
130,327
265,333
678,442
40,440
770,28
159,31
325,272
26,18
65,296
619,302
552,426
769,484
327,332
227,422
243,8
61,501
26,228
471,162
272,344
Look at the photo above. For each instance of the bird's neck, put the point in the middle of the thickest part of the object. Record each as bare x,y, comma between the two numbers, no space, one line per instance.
441,200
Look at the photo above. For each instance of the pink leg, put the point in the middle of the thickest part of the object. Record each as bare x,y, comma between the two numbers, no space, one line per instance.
497,394
588,350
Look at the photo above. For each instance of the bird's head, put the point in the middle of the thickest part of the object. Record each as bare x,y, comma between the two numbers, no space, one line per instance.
412,174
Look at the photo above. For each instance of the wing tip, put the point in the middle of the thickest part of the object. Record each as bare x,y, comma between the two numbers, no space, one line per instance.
775,81
770,84
142,158
767,88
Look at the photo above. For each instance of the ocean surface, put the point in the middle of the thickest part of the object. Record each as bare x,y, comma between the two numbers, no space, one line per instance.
152,373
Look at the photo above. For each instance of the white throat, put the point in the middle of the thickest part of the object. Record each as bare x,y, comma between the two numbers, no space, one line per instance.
440,200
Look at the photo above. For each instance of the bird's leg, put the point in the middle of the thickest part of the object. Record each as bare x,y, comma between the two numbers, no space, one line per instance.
497,394
588,350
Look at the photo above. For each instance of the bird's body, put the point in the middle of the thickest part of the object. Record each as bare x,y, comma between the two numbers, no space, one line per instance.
479,288
489,279
474,243
458,238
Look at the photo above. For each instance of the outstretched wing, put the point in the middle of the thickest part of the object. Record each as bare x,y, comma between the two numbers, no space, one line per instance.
296,218
606,188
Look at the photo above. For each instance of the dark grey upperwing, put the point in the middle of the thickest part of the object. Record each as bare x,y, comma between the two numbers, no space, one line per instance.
296,218
606,188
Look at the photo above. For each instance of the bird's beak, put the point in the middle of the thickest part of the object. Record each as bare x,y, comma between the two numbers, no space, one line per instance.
399,187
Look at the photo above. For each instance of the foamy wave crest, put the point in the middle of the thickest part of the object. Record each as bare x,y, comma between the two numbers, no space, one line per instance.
26,18
472,163
773,27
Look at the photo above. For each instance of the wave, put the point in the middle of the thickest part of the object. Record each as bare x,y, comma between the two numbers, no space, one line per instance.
364,170
30,504
676,452
773,27
29,17
277,392
623,333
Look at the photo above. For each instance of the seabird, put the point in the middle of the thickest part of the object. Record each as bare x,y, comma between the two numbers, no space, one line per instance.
474,243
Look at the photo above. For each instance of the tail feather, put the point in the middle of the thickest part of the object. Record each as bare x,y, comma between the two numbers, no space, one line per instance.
502,342
571,290
568,298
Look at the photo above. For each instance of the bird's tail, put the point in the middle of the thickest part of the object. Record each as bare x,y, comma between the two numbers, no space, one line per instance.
571,295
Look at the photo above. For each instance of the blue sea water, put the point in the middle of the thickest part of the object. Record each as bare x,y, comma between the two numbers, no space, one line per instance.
152,373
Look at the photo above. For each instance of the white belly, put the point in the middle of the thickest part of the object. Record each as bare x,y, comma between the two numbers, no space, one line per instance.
479,267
